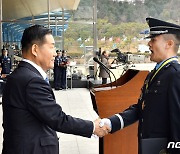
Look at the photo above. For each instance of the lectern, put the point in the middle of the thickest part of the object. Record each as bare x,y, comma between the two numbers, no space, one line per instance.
109,100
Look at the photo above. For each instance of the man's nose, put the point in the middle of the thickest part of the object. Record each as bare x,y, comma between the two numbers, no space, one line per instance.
149,43
55,54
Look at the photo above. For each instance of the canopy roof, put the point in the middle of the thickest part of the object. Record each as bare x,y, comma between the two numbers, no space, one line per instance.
12,31
16,9
19,14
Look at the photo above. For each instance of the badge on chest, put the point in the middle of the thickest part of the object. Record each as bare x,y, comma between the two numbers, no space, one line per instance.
143,105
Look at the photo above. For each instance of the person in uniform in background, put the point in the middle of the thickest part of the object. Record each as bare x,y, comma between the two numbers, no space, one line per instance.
158,107
57,70
5,62
103,73
63,66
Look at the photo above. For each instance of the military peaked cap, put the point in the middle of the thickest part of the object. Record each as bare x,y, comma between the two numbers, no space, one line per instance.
57,51
158,27
64,51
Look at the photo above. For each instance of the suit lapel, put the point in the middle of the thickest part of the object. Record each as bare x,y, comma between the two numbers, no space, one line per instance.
32,68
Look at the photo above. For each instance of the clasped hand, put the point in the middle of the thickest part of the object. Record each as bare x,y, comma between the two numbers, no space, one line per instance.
101,128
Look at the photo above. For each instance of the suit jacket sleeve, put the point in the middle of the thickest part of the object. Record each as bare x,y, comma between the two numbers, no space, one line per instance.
42,104
129,116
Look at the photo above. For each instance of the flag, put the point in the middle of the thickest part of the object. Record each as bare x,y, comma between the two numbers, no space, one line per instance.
111,39
114,46
103,39
118,39
79,39
82,45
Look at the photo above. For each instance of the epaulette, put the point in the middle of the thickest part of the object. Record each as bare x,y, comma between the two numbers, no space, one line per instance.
175,65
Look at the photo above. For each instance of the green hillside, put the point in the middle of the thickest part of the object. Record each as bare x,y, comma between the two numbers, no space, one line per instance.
117,12
119,23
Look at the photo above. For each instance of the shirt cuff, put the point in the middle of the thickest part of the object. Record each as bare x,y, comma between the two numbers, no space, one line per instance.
94,127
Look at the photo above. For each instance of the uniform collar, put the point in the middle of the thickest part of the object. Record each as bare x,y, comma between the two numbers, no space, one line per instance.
159,64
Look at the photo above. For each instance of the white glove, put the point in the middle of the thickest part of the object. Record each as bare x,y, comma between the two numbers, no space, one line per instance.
105,121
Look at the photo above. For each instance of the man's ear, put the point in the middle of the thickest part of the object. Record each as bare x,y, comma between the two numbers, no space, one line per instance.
34,50
170,43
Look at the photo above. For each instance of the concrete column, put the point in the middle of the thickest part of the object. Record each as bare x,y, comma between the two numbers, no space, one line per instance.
62,29
95,33
48,7
1,38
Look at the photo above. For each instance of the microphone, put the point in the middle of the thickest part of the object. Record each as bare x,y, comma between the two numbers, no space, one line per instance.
106,69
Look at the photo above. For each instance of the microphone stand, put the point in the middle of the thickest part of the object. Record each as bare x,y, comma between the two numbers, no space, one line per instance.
113,75
106,69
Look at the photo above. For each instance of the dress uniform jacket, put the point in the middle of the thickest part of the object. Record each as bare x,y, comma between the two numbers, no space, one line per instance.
31,115
57,72
158,108
5,64
64,62
57,62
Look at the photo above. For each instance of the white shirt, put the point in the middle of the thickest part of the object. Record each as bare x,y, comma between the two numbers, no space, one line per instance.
40,70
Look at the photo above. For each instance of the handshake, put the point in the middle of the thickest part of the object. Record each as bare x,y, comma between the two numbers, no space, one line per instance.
102,127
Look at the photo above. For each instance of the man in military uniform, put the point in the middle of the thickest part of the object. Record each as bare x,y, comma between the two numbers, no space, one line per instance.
158,108
57,71
63,66
5,63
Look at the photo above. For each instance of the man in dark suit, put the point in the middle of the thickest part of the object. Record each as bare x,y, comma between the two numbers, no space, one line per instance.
30,113
158,107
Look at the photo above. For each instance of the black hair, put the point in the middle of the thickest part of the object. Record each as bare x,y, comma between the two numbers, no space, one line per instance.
34,34
4,49
58,51
178,41
104,52
178,38
175,38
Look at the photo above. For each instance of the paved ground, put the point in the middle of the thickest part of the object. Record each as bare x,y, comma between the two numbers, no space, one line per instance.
76,102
